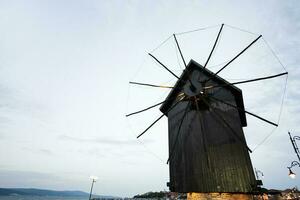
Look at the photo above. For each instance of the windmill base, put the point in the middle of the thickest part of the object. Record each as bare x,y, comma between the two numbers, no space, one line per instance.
219,196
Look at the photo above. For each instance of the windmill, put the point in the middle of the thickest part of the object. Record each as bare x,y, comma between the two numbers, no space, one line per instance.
208,151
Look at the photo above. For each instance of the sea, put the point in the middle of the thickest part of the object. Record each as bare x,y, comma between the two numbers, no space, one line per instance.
20,197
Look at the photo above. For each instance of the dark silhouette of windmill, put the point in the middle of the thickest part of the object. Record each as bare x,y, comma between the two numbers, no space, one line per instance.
206,115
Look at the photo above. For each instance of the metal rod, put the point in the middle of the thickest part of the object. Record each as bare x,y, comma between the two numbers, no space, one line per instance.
234,58
247,81
93,181
157,119
254,115
214,46
179,50
151,85
257,173
163,65
177,135
294,146
293,164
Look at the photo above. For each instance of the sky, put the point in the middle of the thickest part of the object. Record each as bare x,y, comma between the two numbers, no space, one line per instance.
64,91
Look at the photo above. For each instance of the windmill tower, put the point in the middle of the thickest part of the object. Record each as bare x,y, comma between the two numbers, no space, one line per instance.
207,147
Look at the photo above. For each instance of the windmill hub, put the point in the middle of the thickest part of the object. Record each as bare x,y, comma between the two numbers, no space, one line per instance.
193,88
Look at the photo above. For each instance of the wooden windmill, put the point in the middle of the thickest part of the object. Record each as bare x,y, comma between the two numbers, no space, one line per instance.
206,115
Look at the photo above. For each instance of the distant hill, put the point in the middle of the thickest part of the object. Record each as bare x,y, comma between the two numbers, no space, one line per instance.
43,192
39,192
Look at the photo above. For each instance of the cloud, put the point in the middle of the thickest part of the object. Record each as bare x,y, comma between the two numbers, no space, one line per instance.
16,178
45,151
39,151
44,180
106,141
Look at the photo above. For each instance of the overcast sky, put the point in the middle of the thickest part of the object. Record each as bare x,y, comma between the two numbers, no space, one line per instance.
64,92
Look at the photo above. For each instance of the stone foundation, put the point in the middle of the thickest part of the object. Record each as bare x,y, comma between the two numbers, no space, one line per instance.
220,196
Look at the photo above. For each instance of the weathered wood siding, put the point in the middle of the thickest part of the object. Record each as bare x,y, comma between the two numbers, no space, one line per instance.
208,155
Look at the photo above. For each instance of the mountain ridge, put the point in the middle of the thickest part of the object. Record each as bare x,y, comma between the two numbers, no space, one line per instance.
46,192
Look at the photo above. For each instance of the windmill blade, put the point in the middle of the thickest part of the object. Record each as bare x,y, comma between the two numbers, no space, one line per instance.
192,85
179,50
150,85
234,58
158,119
252,114
163,65
214,46
201,127
178,132
226,124
231,129
133,113
247,81
150,126
181,96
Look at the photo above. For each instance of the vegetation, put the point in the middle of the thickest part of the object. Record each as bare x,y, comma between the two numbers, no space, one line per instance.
150,195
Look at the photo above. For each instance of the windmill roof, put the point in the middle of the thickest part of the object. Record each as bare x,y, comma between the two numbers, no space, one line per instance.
193,65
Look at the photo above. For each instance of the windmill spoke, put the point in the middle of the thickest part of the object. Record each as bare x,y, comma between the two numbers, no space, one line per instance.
246,81
151,85
252,114
213,46
198,110
234,58
158,119
227,125
179,50
178,132
163,65
145,109
150,126
233,131
201,128
180,96
193,88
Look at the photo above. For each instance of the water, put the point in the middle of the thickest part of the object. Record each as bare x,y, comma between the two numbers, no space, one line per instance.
20,197
26,197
